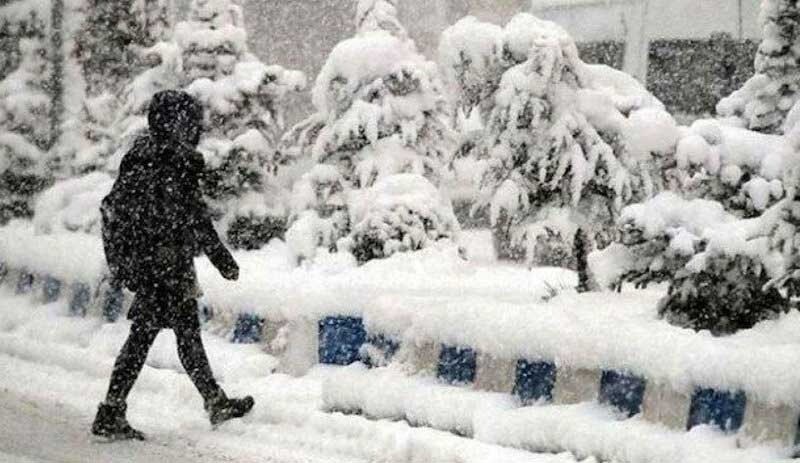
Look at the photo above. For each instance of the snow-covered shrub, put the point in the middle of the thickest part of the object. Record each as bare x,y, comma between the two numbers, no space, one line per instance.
72,205
400,213
25,132
561,134
380,111
319,211
742,170
764,100
724,272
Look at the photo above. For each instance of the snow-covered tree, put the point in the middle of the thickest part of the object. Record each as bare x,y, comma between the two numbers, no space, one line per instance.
379,15
566,144
25,132
243,100
106,51
764,100
212,39
725,273
380,111
106,45
20,20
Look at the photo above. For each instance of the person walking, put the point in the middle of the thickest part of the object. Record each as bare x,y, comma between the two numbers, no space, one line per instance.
155,222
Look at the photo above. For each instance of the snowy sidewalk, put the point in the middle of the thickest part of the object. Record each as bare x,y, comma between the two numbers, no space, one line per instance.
54,370
41,433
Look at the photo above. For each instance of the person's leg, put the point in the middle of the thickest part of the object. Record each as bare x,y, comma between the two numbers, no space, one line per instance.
192,352
129,362
110,421
195,361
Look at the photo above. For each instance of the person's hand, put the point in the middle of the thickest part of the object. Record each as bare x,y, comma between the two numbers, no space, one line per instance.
230,272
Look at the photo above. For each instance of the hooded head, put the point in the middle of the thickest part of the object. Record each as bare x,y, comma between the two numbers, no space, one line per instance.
175,117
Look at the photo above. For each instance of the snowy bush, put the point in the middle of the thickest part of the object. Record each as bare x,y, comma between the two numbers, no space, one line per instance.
72,205
764,100
559,134
25,134
725,273
319,211
380,111
743,170
400,213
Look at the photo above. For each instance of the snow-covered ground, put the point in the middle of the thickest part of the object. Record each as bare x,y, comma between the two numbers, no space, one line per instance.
54,370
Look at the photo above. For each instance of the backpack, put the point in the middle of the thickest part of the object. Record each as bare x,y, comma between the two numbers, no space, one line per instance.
119,238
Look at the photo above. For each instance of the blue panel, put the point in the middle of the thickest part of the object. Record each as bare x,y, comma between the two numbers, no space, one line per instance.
387,346
340,340
51,289
24,282
622,391
723,409
457,365
81,296
248,329
112,303
535,381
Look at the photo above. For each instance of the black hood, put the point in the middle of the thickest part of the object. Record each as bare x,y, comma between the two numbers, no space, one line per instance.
175,117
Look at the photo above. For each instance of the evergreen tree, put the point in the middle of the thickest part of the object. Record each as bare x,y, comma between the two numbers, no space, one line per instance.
19,20
246,176
24,132
380,111
212,39
764,101
106,49
566,144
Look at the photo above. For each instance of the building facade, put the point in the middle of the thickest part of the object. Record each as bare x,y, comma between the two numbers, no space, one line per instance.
637,23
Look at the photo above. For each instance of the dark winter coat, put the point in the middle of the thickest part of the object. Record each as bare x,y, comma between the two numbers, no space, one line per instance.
160,176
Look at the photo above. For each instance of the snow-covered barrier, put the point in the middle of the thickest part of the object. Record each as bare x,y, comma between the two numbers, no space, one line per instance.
295,312
610,349
456,337
68,266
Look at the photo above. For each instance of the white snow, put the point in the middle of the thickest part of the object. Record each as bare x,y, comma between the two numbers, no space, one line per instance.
651,130
586,429
348,68
65,255
406,211
59,379
72,205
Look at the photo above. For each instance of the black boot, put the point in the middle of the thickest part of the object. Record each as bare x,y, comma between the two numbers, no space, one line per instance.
220,408
111,423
